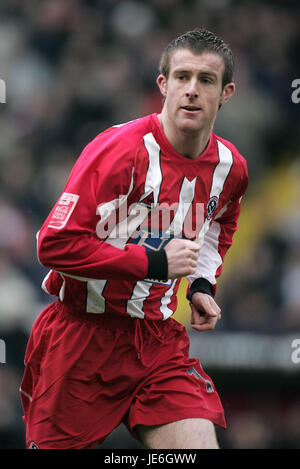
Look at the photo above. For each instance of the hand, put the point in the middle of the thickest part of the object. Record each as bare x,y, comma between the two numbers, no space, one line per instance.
182,255
205,313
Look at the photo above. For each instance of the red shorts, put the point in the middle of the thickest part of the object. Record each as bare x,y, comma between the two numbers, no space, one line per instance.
86,374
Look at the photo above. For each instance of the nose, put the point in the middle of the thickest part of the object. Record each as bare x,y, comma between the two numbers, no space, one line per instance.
192,90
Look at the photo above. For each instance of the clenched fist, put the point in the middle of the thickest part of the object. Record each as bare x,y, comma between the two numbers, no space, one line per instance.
182,255
205,313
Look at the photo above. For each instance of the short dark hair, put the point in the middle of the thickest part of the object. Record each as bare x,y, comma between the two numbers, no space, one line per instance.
199,41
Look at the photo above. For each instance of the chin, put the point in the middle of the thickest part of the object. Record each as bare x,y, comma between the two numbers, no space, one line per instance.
190,127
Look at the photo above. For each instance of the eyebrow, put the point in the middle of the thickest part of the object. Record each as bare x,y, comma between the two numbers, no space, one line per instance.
202,73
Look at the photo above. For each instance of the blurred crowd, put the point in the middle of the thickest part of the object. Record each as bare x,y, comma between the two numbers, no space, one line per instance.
74,67
262,294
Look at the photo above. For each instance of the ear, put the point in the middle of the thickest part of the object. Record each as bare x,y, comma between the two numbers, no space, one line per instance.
227,93
162,84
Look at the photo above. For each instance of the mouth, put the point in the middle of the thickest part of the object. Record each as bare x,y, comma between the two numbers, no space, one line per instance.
191,108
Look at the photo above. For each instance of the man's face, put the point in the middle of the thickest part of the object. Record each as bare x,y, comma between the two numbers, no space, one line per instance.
193,90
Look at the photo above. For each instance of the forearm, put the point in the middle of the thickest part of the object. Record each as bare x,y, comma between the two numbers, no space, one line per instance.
88,257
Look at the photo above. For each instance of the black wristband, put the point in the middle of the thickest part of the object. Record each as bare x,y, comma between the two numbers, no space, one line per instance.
200,285
157,265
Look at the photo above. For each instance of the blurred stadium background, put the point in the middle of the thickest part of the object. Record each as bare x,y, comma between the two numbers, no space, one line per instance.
73,68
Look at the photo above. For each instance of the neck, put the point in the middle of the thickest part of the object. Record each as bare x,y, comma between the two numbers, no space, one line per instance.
189,144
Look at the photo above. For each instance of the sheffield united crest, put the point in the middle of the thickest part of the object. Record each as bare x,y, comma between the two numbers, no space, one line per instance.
211,206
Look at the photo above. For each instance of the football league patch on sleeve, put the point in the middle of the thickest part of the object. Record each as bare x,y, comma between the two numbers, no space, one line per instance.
63,210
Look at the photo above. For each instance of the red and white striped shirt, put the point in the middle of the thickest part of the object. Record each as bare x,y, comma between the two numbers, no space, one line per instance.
112,209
